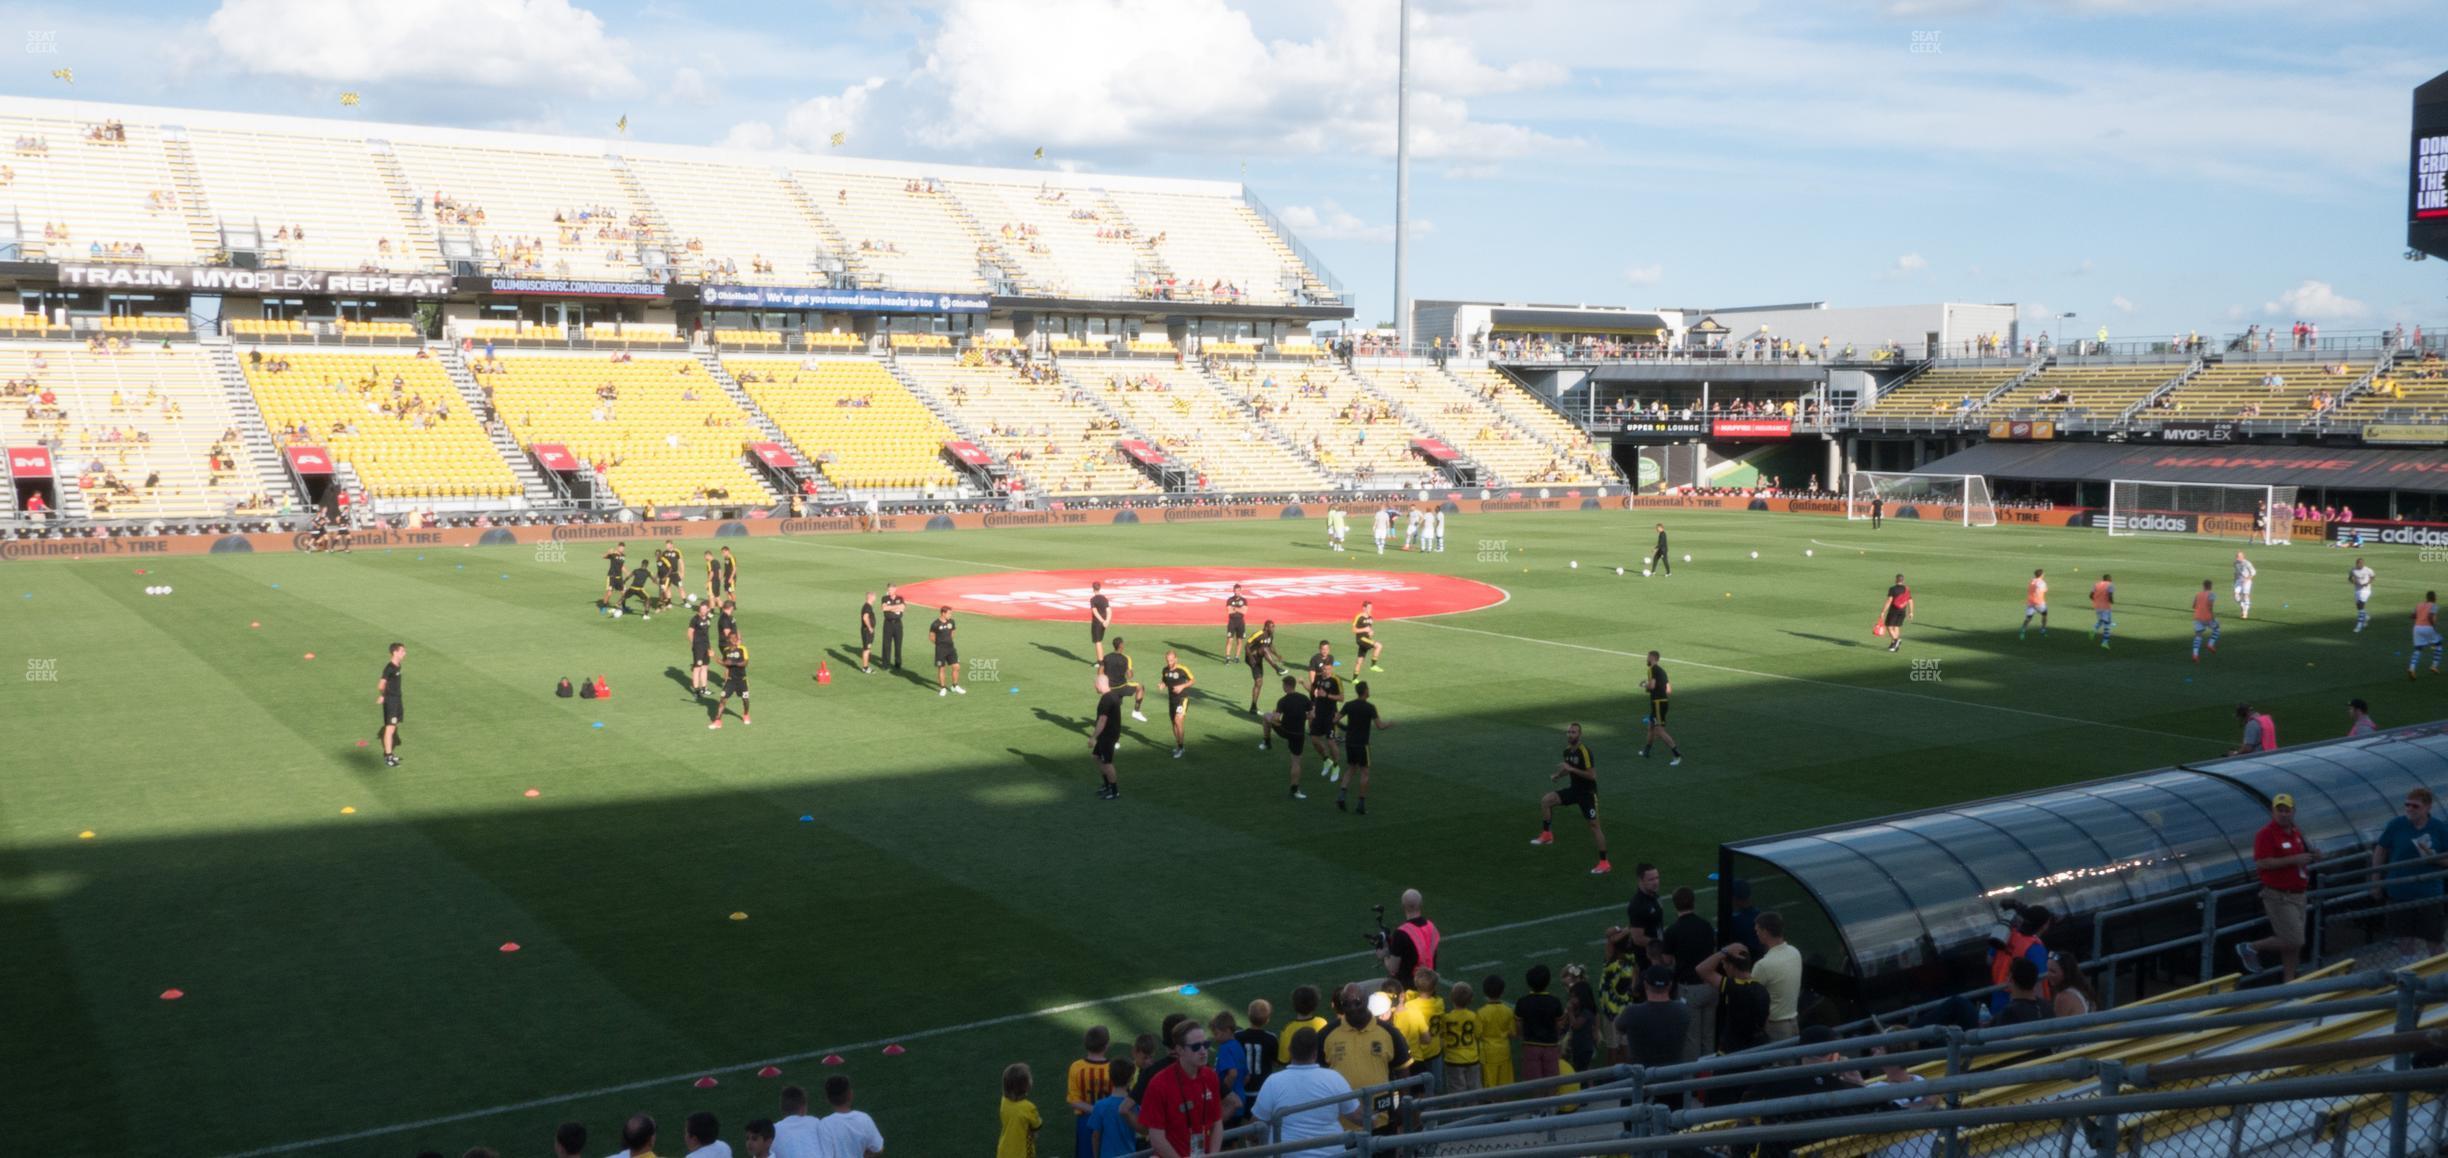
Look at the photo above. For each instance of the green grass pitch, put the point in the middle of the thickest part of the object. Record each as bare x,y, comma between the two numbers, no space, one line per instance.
959,891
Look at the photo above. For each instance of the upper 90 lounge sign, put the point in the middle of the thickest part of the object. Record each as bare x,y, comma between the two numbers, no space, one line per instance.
2427,172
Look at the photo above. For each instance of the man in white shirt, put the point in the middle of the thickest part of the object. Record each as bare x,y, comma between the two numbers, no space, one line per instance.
704,1136
2361,577
797,1134
846,1133
1438,516
1306,1081
1411,527
1779,970
1381,523
2244,572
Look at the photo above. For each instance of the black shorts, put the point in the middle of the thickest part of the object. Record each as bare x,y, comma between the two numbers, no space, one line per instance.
1363,644
1579,794
1321,725
866,637
1105,746
392,714
1657,712
1257,665
1176,704
947,657
1291,736
735,685
700,657
1895,617
1096,632
1355,755
1236,628
2424,923
715,588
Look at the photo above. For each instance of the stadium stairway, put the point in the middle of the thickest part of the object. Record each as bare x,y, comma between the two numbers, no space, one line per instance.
1511,420
989,247
825,490
1463,458
2191,371
807,202
531,481
1141,246
665,241
262,453
202,224
421,239
950,416
1130,425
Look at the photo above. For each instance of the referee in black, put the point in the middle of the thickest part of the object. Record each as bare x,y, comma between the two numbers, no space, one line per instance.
1658,559
387,694
894,605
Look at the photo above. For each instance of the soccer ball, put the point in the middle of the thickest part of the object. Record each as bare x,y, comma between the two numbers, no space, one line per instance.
1576,564
1806,552
618,612
1644,572
1755,554
692,599
1687,558
1619,570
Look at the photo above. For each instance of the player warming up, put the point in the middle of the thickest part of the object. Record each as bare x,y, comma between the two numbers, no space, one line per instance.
2360,578
1661,691
387,695
1100,617
1177,682
2205,619
1236,628
1364,639
615,567
1379,524
701,649
1325,700
1260,654
1658,560
2426,633
1119,672
2103,607
1897,608
1106,736
1285,721
947,657
2244,572
2035,602
1580,776
735,678
867,635
1360,724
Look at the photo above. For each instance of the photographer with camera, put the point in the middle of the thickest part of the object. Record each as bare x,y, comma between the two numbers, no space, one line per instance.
1408,947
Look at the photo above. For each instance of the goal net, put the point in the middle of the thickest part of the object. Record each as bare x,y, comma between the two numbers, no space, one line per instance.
1950,498
2262,514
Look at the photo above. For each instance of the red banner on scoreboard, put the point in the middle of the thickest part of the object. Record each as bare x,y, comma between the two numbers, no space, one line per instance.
1143,452
308,460
1435,450
1751,428
772,454
29,462
968,452
553,456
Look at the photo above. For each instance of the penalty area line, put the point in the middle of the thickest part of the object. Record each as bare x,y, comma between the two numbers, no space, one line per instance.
874,1043
1823,683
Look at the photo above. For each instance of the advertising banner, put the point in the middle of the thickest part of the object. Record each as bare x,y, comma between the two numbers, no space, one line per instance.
224,280
29,462
309,460
854,301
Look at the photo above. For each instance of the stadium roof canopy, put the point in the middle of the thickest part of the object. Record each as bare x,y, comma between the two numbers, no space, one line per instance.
1898,909
2352,468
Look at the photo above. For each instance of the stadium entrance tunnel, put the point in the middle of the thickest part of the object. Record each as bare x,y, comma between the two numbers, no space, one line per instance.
1897,911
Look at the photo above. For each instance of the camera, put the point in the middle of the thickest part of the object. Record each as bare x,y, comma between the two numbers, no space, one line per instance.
1377,939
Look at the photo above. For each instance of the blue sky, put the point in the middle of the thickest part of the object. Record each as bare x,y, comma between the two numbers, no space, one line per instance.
2151,165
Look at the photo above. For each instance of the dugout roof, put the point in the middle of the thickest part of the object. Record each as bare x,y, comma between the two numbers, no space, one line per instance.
2354,468
1887,909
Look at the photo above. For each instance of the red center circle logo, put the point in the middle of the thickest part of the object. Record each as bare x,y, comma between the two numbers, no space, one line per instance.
1196,595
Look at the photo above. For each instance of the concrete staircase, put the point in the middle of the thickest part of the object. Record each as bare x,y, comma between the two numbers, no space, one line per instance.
421,230
263,454
1141,246
987,244
1420,428
825,490
1232,397
531,481
809,206
663,248
202,228
1130,429
951,417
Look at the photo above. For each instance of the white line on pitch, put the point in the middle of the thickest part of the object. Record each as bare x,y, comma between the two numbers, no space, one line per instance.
1820,683
920,1035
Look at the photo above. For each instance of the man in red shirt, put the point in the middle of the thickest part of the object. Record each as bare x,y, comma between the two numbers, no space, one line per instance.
1183,1112
2280,852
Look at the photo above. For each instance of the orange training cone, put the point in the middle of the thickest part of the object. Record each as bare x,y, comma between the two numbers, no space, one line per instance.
603,690
824,674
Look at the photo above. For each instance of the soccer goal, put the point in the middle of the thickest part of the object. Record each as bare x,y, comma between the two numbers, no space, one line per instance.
1948,498
2262,514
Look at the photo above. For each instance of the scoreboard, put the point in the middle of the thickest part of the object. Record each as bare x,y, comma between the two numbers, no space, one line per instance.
2427,173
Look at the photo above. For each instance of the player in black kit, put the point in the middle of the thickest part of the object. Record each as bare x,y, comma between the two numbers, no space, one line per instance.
1177,682
947,657
894,605
1285,721
394,709
735,678
1360,724
1260,655
1106,736
616,564
1658,559
701,649
1121,673
636,589
867,634
1236,625
1100,617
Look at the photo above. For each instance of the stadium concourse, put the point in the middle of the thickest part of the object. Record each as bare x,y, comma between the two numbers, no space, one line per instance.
815,411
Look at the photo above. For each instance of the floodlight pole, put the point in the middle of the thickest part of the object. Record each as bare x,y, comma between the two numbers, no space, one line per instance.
1402,170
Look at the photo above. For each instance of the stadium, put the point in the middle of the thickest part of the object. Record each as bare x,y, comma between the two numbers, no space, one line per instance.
988,484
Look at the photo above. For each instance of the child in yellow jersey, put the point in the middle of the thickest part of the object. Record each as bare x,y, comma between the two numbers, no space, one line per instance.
1496,1034
1020,1120
1088,1081
1417,1018
1459,1027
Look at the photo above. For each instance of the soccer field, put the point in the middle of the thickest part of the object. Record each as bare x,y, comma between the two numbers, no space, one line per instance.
935,872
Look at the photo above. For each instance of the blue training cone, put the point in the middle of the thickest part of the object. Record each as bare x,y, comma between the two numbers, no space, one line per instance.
599,723
1189,990
807,818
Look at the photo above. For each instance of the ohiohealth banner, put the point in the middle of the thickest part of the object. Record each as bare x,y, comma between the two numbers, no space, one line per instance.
874,301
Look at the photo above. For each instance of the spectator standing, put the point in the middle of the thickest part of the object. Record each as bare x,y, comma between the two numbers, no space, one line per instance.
1496,1034
1412,945
758,1138
1686,943
1742,916
2018,941
2280,852
1742,1002
704,1136
1230,1062
1302,1082
1541,1017
570,1140
1183,1112
1779,969
1416,1018
1362,1049
1258,1048
1086,1082
1304,1016
1581,1017
1109,1132
1657,1031
1619,987
847,1133
1458,1030
1016,1136
2411,845
797,1134
638,1135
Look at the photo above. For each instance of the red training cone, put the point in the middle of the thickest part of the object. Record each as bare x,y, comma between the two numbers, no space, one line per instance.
603,691
510,947
834,1059
770,1072
707,1083
824,674
894,1050
173,994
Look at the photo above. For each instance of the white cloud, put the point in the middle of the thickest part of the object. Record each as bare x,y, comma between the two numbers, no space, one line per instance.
1118,74
1331,222
2316,300
2123,304
495,43
689,87
1649,274
810,124
1908,264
